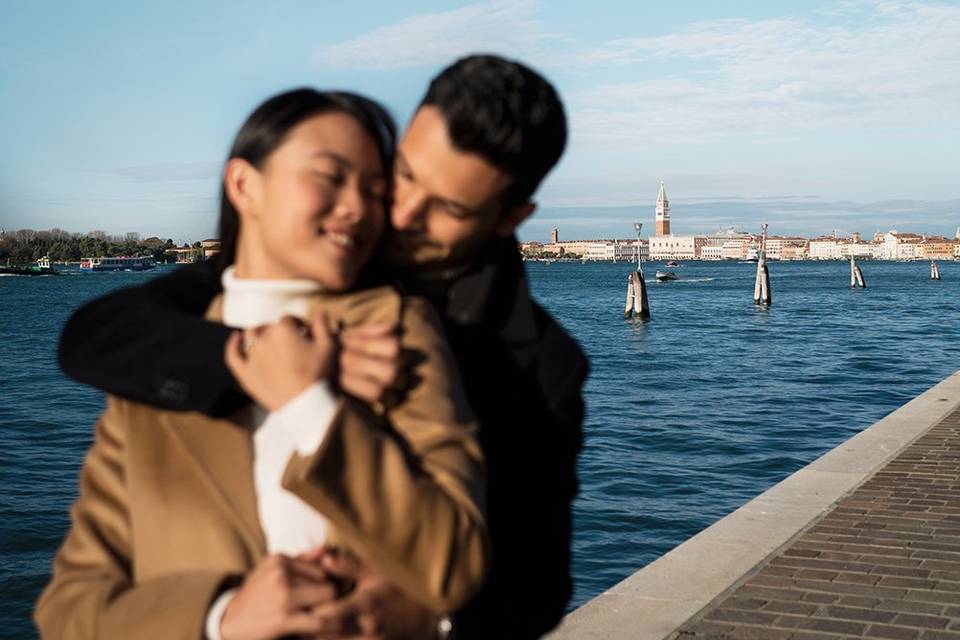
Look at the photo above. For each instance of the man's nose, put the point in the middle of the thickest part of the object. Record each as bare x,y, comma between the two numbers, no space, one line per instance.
409,210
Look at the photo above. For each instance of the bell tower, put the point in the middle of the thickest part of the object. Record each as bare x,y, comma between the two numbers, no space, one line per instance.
663,212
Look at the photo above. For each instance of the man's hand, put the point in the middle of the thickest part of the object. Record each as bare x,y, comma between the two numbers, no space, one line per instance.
369,360
276,600
374,609
275,363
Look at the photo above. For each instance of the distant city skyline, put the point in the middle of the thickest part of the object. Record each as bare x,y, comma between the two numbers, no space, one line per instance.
807,217
807,115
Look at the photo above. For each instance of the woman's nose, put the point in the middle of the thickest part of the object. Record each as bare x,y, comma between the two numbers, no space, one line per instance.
351,204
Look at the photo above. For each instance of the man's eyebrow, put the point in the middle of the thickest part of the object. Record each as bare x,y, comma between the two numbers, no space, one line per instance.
345,163
461,209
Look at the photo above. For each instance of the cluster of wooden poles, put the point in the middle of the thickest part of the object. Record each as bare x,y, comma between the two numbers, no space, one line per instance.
637,306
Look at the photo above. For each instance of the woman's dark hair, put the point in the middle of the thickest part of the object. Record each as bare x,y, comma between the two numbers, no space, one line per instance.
268,126
505,112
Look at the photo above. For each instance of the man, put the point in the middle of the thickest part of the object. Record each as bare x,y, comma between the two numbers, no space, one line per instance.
484,137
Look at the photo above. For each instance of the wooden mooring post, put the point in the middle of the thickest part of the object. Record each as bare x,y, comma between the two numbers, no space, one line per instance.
934,270
637,305
856,275
761,289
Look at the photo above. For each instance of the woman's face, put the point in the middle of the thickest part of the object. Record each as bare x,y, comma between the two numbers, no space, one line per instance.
315,207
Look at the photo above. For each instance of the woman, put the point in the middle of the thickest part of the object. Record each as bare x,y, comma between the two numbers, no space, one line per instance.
176,510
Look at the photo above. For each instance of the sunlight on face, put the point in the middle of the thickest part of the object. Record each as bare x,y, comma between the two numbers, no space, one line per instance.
446,202
317,211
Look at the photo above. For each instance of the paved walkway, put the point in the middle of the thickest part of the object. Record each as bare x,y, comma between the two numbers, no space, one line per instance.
883,563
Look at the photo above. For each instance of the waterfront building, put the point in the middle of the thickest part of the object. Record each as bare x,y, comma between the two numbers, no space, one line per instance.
936,248
626,250
662,212
601,251
675,247
596,249
574,247
210,247
735,248
825,248
554,235
711,252
530,249
901,246
184,254
711,247
786,247
858,249
794,251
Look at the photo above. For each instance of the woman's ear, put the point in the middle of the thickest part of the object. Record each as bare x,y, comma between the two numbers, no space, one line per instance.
241,181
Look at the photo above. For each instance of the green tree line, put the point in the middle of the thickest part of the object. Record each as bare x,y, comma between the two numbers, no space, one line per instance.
26,246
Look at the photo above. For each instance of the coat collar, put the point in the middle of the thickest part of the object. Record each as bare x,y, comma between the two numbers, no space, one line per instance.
222,449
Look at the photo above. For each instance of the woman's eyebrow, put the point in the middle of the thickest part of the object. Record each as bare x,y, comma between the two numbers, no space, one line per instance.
336,157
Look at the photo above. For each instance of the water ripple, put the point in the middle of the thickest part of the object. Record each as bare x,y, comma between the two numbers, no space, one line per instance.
696,412
688,416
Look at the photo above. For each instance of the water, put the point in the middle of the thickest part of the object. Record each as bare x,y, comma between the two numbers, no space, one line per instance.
689,415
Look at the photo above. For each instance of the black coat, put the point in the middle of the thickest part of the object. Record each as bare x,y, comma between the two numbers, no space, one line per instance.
522,374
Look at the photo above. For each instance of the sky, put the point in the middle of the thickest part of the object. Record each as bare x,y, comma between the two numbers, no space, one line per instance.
810,116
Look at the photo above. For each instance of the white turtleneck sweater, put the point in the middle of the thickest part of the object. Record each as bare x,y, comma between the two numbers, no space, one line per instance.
289,525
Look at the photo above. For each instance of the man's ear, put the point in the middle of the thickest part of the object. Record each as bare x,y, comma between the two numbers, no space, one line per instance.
514,217
241,181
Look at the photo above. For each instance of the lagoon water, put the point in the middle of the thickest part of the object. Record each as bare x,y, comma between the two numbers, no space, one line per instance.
689,415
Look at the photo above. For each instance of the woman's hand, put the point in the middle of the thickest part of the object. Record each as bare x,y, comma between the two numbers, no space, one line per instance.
275,363
276,600
373,609
369,360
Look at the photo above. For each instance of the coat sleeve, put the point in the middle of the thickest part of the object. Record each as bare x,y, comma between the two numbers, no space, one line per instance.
407,495
92,593
106,341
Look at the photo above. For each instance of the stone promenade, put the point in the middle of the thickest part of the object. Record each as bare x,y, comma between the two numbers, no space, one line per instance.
863,542
883,563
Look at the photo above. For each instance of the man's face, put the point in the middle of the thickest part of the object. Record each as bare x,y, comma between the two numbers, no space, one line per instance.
446,202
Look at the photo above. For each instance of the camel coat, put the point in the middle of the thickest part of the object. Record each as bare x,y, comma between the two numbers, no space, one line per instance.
167,518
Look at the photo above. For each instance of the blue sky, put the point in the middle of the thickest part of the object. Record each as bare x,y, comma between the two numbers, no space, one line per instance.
808,115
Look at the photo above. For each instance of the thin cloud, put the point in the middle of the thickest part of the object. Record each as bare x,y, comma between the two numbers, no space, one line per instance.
436,38
895,65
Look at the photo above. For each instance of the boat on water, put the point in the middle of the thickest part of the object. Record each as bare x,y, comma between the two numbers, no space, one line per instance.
666,276
42,268
122,263
672,263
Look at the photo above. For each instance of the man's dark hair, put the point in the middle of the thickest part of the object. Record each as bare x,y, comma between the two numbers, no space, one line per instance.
267,128
506,113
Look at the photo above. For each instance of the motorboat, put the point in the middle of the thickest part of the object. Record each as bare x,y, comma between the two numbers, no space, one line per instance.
666,276
42,268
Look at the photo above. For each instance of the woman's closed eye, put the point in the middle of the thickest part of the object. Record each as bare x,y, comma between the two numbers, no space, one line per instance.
334,178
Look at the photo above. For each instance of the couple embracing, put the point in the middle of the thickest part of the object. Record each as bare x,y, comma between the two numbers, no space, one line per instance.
354,422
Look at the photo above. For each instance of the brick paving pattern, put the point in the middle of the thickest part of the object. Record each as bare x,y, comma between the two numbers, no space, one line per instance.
883,563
